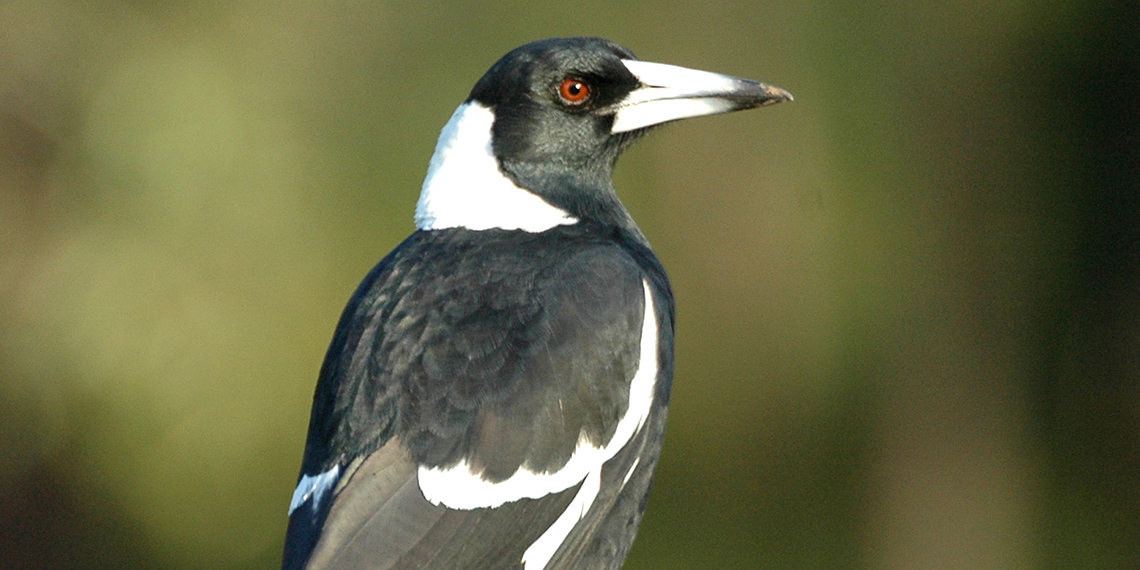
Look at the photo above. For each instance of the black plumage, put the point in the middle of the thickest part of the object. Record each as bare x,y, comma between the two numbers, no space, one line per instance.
508,351
495,369
469,331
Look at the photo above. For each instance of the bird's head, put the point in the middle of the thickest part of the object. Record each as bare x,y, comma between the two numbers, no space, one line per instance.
535,143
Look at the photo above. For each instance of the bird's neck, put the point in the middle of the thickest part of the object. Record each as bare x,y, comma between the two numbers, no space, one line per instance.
466,188
583,193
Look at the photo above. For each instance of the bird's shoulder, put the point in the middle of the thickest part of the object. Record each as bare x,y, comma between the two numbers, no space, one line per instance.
453,324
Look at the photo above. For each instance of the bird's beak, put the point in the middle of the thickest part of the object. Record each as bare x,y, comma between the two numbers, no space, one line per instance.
669,92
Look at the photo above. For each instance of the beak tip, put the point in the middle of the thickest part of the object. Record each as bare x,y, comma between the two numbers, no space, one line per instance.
777,95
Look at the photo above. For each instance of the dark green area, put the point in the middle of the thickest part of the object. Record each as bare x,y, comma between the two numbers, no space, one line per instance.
908,302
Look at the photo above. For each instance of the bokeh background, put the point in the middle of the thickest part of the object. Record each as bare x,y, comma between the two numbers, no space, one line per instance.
909,302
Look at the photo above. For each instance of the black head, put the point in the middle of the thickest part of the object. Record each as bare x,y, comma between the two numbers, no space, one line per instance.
552,125
565,108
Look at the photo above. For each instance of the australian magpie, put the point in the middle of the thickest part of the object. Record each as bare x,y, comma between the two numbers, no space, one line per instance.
494,396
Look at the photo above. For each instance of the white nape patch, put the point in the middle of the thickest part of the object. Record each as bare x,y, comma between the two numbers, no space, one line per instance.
541,550
461,487
670,92
315,486
464,187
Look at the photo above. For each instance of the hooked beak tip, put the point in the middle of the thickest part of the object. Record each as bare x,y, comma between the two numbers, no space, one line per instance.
778,95
772,95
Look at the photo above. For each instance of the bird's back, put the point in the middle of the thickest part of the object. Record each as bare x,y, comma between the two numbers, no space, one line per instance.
505,351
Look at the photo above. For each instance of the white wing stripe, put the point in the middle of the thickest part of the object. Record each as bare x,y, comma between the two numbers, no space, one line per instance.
629,473
315,486
461,487
540,552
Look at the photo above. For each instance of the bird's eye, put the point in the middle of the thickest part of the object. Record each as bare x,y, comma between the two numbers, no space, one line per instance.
574,91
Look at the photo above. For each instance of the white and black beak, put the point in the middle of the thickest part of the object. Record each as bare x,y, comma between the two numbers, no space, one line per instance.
668,93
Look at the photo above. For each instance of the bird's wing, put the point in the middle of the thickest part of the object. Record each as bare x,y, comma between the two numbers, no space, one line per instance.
379,520
468,406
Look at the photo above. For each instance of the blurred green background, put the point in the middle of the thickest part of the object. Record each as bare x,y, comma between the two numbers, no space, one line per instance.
908,302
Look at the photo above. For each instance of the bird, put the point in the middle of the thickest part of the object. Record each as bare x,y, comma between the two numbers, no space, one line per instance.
495,392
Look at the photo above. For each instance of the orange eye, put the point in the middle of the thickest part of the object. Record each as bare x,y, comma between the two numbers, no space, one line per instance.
574,92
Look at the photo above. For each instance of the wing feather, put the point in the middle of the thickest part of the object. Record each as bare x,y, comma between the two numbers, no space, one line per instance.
465,350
